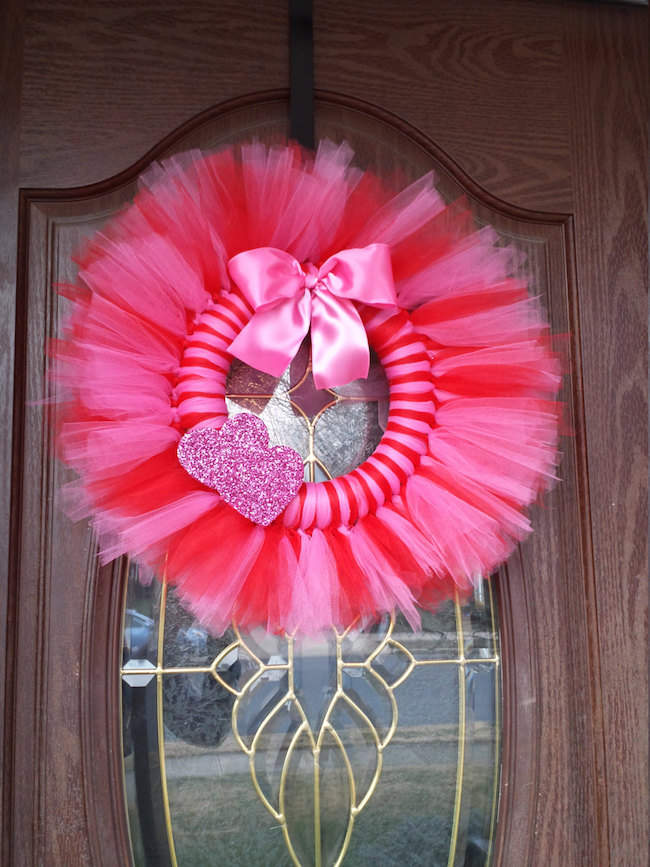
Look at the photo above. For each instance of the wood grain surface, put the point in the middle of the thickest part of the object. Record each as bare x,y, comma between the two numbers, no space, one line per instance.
123,75
608,124
11,44
524,104
457,73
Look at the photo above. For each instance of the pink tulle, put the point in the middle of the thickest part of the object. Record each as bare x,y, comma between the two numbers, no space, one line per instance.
472,433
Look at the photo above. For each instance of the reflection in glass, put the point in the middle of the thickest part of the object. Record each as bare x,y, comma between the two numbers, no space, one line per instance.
433,802
140,631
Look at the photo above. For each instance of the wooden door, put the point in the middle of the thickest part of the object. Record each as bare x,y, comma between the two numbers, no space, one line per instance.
537,111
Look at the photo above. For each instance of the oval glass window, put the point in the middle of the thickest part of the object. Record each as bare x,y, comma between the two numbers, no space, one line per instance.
376,746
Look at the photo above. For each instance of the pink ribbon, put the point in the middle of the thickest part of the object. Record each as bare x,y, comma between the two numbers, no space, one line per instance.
288,298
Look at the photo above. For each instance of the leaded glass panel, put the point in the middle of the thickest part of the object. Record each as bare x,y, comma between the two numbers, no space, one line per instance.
376,746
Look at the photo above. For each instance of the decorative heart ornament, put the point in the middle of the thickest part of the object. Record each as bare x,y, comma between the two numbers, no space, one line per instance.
258,481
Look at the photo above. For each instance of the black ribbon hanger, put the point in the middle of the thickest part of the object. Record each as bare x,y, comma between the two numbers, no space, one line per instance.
301,76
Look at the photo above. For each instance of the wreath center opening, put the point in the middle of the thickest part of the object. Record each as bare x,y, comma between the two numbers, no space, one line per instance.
333,430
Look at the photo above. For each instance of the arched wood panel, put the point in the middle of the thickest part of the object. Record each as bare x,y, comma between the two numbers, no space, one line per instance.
66,718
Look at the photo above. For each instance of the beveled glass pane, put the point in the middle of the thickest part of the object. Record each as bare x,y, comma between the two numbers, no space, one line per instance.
438,637
217,817
144,778
140,632
409,819
481,635
481,763
332,436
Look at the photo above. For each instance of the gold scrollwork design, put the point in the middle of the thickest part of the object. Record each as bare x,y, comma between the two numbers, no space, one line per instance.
358,795
387,665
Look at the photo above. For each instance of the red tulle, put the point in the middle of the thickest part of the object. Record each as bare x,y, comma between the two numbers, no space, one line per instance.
472,436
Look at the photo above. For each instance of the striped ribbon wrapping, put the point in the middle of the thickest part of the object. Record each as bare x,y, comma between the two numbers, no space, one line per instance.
201,393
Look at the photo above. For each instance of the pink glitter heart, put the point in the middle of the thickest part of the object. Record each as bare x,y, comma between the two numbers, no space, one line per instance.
258,481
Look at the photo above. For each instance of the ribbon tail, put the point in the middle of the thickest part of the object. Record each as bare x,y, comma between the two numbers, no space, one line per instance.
339,345
272,337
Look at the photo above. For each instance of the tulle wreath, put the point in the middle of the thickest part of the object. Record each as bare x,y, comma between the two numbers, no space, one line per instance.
472,433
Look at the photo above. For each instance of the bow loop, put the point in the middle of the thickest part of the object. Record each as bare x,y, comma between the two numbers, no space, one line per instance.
288,298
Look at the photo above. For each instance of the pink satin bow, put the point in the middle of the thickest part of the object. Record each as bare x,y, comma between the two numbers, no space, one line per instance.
288,298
